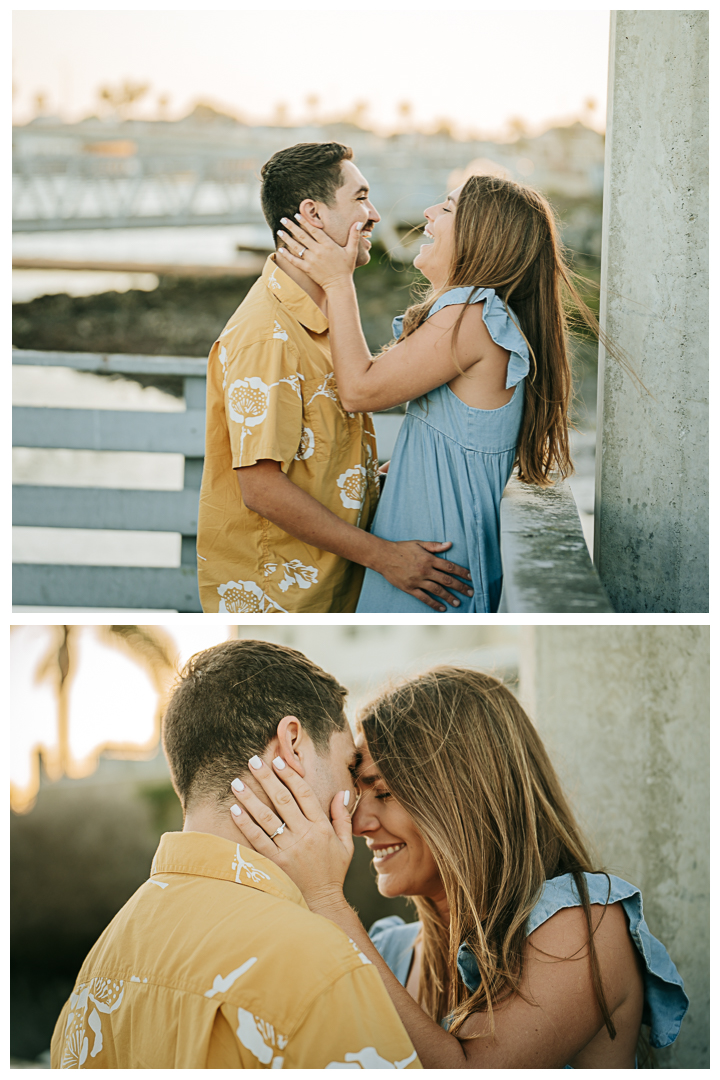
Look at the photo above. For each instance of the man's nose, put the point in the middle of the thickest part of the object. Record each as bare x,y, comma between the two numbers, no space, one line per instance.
373,215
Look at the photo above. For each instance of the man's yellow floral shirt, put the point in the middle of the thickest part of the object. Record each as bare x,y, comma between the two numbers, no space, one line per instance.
216,962
271,395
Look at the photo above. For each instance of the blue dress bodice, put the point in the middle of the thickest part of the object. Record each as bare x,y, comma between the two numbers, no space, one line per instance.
449,469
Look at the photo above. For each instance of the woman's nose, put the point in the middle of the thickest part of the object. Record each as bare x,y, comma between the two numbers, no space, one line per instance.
363,820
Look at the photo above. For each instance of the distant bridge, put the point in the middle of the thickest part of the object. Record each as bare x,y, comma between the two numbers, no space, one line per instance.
54,193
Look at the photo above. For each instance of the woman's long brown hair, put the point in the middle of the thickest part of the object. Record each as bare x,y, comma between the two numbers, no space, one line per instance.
458,752
506,239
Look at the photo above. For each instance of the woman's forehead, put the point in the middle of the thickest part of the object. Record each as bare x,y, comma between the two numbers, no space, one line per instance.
367,769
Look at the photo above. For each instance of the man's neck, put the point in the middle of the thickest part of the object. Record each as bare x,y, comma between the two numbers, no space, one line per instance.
305,282
214,820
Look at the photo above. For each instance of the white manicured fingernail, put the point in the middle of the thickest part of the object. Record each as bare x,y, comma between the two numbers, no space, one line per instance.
278,763
235,810
359,226
237,785
284,221
346,798
255,762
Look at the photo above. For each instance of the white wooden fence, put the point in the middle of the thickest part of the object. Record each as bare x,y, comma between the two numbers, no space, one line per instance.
103,508
118,587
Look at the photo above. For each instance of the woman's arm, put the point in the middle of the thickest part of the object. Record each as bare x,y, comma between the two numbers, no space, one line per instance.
409,369
555,1016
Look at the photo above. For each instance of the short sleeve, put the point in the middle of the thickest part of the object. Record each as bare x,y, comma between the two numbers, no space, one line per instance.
262,391
352,1025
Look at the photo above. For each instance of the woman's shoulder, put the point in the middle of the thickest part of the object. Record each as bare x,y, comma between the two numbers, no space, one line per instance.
501,324
665,1000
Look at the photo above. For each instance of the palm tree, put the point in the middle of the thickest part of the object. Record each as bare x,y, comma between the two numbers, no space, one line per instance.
149,646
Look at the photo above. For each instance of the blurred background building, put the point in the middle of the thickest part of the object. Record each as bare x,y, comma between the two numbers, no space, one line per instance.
623,712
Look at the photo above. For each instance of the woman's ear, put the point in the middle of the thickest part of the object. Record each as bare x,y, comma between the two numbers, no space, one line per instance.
292,742
310,211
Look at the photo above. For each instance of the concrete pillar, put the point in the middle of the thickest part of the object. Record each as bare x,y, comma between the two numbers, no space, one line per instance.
651,523
624,714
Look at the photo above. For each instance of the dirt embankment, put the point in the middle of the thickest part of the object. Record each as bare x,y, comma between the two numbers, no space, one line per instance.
183,316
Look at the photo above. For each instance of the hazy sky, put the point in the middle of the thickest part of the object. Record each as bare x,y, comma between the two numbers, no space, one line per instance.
477,68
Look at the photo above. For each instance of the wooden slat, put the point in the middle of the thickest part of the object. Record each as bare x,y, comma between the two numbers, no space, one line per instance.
116,587
113,363
104,429
106,508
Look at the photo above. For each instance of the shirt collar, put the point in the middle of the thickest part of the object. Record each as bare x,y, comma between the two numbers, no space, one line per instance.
206,855
293,298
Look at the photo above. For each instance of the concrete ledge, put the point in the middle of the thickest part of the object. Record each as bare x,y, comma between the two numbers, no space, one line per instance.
546,563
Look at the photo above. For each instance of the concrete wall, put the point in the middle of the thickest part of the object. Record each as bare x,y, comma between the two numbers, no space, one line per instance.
624,712
651,525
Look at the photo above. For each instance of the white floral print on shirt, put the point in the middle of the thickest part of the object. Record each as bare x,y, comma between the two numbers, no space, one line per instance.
246,596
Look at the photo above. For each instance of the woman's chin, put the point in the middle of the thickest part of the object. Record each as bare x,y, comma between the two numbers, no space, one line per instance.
420,262
388,888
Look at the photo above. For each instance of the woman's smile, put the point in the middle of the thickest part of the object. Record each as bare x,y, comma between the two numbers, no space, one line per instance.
383,853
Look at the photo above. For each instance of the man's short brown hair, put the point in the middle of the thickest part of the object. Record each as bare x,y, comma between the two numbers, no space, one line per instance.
304,171
227,705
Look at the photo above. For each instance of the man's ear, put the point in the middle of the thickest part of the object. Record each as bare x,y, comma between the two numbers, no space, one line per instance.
311,211
292,742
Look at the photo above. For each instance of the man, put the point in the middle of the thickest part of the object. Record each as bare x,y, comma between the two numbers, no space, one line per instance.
290,481
216,961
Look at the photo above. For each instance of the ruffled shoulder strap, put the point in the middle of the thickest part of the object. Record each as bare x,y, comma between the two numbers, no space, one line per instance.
665,999
500,320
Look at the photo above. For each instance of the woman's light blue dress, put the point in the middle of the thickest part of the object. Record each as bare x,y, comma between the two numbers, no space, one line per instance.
448,471
665,999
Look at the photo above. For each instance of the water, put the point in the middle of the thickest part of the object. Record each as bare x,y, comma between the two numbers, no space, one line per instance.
206,245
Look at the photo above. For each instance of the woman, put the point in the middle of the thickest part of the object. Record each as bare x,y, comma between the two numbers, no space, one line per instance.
483,361
524,954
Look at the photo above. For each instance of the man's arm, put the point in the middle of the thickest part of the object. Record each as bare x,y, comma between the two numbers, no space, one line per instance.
410,565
